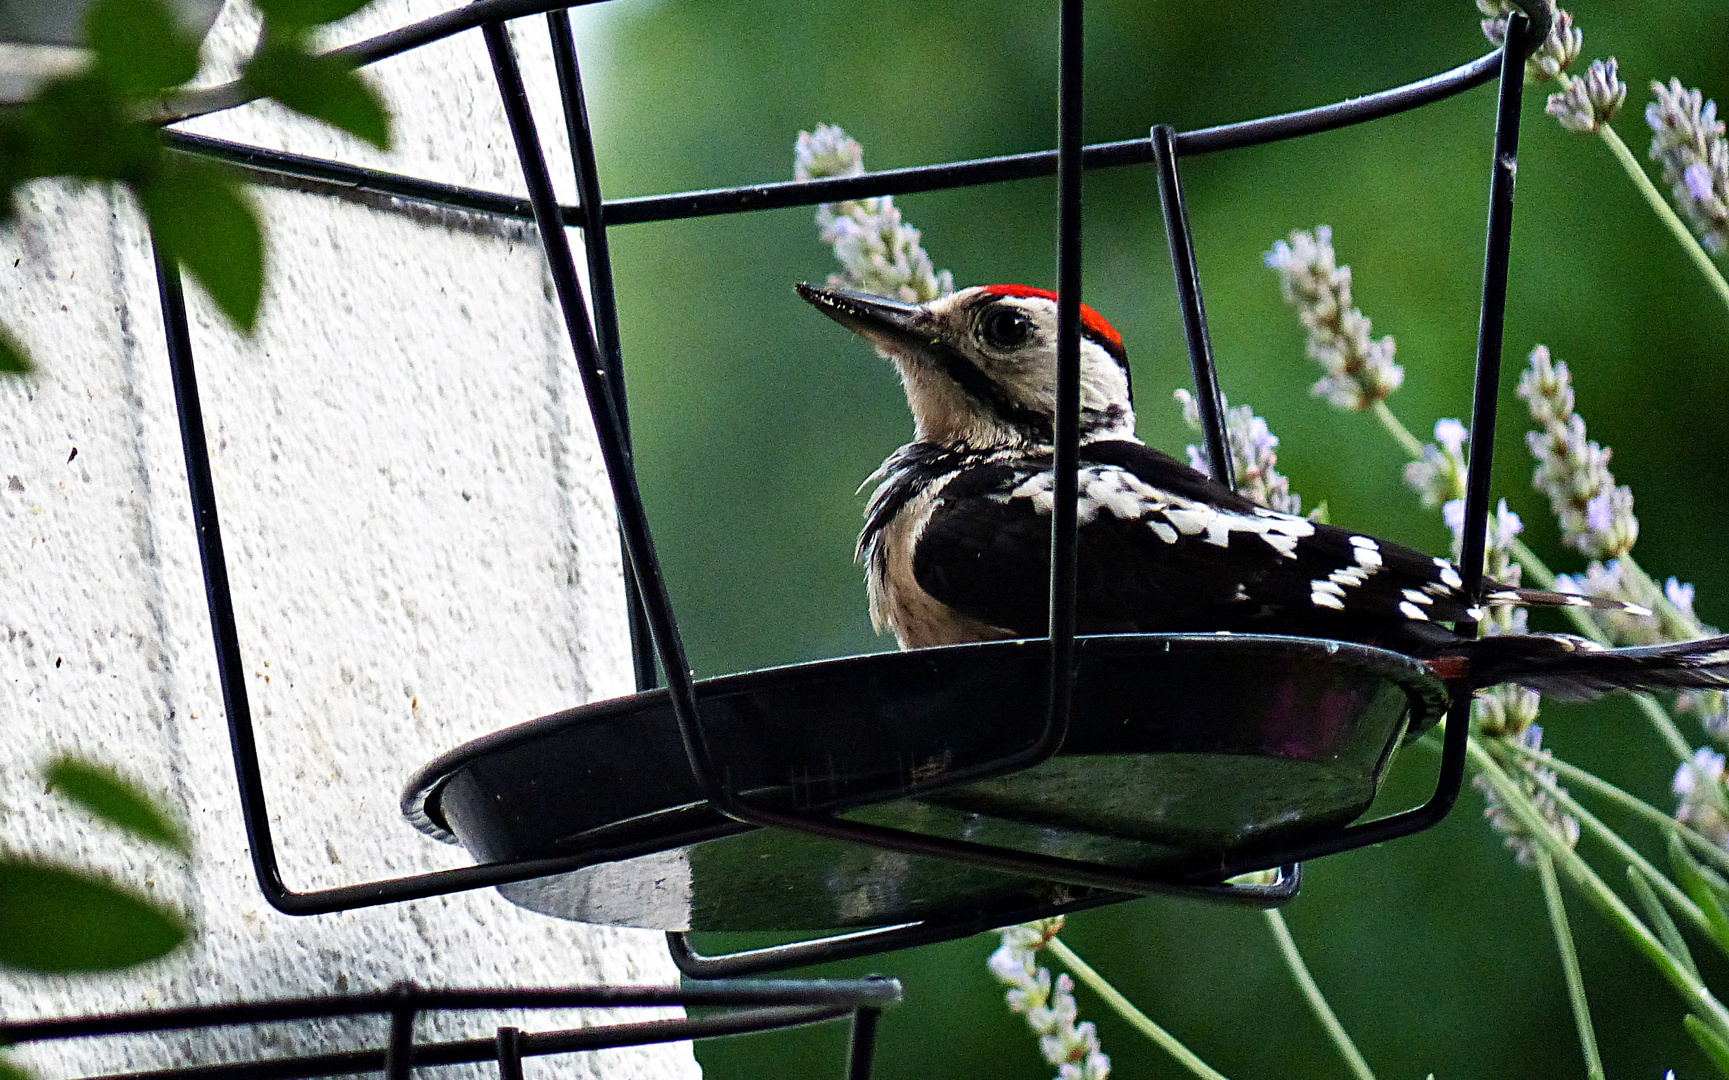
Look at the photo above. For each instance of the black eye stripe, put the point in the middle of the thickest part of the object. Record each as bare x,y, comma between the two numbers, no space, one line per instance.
981,388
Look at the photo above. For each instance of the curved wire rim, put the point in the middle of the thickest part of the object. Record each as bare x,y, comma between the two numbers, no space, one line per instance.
233,94
710,202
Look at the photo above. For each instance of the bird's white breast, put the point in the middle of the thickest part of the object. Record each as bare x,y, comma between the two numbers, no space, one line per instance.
897,604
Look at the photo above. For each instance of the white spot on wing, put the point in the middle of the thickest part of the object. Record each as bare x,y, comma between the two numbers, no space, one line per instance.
1326,600
1118,492
1416,597
1412,611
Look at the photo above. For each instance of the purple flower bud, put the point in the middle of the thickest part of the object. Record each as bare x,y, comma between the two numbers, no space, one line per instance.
1599,513
1697,177
1679,594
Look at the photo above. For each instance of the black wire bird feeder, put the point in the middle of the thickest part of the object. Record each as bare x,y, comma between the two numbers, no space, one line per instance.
912,797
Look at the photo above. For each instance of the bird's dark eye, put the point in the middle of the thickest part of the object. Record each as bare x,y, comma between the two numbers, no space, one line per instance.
1005,328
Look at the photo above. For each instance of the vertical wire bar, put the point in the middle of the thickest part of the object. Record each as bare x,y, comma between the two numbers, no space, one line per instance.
1490,326
605,303
1497,247
1066,460
1490,329
861,1048
1209,399
399,1051
508,1042
621,475
236,704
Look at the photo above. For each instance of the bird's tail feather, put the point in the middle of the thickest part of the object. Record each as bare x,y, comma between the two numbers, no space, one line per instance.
1501,595
1573,669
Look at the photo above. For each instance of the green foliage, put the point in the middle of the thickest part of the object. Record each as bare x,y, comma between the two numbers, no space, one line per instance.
201,219
140,47
55,920
9,1071
301,13
110,797
1709,1041
93,126
1695,879
323,87
1659,917
12,358
79,127
59,919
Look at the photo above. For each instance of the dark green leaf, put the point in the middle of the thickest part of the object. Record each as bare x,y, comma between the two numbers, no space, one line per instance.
9,1071
140,46
104,793
80,127
199,217
321,87
13,359
1691,877
308,12
55,920
1709,1041
1659,915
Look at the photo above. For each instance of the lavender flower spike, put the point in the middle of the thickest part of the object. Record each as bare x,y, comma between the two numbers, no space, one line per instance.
1699,788
1586,104
1360,370
1553,57
1439,477
878,252
1596,516
1049,1008
1533,779
1253,455
1687,139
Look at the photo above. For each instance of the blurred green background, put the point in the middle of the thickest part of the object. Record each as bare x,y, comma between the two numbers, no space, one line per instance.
755,419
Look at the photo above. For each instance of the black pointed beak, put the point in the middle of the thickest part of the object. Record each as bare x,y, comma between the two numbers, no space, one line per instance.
876,318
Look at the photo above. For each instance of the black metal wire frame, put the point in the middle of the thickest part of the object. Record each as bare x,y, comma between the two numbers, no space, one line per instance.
599,363
742,1007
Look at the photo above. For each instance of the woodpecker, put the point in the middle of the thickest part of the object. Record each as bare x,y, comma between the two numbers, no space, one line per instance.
956,543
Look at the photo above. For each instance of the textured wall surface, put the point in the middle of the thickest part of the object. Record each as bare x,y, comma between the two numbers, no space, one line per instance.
419,537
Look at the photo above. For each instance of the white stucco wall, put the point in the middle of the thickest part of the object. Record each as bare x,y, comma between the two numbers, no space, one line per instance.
419,537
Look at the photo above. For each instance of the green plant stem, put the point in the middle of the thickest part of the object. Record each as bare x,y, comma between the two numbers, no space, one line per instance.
1125,1008
1665,726
1666,213
1412,445
1608,904
1570,966
1623,850
1628,802
1317,1001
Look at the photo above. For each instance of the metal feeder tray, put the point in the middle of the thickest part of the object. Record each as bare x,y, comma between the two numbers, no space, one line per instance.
1187,755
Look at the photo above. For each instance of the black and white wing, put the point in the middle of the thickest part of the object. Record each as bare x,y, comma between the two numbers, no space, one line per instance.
1163,548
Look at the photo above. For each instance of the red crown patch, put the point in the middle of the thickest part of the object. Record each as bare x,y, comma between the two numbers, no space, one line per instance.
1090,319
